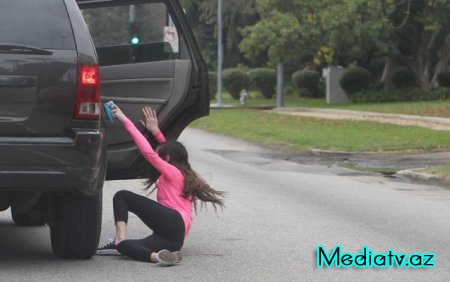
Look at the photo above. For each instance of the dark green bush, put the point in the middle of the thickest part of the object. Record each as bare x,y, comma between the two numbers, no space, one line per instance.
264,80
444,79
212,85
399,95
377,85
289,89
441,93
402,77
308,83
234,81
322,89
355,79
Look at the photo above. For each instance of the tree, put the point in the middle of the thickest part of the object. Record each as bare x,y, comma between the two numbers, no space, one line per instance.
423,38
236,15
278,35
283,33
413,33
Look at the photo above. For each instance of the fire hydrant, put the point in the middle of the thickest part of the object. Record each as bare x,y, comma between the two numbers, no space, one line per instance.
243,96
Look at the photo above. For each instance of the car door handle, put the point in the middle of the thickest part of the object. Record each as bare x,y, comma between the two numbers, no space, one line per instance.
17,81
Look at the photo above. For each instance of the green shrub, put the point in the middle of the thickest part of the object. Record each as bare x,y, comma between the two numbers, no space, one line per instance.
308,83
402,77
322,89
377,85
441,93
355,79
444,79
234,81
289,89
399,95
212,85
264,80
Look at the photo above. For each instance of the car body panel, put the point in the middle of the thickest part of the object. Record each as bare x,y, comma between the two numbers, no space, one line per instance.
37,91
53,134
43,147
174,83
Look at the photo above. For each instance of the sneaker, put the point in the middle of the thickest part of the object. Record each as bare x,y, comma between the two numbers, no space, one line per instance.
168,258
108,249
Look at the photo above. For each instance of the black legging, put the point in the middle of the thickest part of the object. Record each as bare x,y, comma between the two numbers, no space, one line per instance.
167,225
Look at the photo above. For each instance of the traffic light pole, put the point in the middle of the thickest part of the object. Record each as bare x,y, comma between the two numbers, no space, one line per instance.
131,19
131,14
219,53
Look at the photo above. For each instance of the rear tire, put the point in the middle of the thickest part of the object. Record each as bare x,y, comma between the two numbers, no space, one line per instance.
76,225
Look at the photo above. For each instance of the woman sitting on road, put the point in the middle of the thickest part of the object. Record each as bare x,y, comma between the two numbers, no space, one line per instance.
178,187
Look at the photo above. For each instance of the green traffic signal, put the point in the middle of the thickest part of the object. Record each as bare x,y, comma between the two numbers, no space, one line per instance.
134,40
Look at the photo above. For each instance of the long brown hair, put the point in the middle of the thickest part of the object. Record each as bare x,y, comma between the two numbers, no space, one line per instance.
194,186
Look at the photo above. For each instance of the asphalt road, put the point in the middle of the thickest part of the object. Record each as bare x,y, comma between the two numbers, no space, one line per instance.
278,212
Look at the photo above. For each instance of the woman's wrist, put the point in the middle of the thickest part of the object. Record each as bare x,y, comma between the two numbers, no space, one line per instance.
122,117
153,130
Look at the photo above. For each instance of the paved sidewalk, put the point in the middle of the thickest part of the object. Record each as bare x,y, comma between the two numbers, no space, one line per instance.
428,122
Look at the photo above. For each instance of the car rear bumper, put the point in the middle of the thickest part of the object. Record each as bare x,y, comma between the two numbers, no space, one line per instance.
52,164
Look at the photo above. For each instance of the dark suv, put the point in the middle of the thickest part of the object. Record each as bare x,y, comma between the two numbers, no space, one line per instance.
60,60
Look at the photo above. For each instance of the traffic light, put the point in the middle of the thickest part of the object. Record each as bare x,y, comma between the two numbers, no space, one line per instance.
135,33
209,30
134,39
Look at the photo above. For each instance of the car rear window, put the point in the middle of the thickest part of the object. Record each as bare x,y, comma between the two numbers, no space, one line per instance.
43,23
128,34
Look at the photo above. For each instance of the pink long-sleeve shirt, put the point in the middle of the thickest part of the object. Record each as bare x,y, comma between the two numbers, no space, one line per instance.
170,184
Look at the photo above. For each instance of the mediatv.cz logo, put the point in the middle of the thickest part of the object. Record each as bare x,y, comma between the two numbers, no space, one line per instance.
368,258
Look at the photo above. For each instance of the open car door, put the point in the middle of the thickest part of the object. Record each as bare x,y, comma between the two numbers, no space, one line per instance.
148,57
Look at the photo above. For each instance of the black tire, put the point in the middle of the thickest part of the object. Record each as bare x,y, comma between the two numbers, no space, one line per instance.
32,218
76,225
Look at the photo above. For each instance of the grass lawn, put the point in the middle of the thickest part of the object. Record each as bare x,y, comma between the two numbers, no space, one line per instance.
427,108
302,133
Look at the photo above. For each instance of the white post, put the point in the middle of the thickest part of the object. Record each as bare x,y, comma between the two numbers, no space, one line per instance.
219,53
280,96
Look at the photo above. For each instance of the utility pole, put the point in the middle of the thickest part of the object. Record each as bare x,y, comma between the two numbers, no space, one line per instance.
131,13
280,75
219,53
131,28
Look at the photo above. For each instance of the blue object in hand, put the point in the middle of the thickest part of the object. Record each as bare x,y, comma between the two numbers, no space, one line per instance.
108,106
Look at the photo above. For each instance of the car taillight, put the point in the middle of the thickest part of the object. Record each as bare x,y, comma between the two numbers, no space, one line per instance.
87,105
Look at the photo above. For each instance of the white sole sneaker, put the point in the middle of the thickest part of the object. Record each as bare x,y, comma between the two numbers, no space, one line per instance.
109,249
168,258
108,252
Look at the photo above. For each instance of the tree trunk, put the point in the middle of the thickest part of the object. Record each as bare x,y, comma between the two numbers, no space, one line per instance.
443,62
430,57
386,76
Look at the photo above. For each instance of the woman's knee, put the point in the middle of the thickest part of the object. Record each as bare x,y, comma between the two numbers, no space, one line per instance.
122,194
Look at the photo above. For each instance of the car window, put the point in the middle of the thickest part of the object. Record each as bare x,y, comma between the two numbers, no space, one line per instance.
44,24
132,33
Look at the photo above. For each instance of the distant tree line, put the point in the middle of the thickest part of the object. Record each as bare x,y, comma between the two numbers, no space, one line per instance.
378,35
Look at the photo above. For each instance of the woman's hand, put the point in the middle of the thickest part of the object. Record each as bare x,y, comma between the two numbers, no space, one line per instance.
118,114
150,121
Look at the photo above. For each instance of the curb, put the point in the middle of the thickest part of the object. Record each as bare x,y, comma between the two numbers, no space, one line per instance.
416,174
319,152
